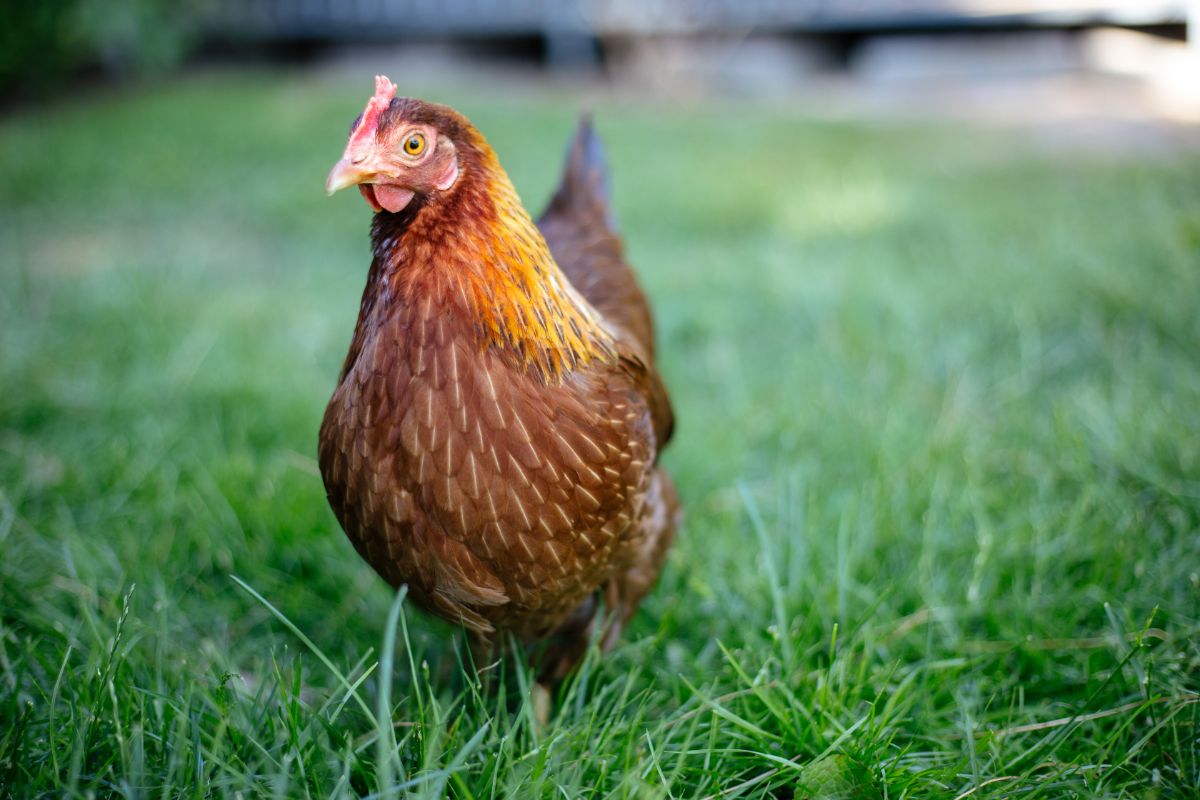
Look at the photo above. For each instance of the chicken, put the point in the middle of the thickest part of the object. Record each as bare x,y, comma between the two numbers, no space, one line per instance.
494,436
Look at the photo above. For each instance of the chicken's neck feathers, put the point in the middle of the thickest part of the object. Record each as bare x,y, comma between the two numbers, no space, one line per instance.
479,253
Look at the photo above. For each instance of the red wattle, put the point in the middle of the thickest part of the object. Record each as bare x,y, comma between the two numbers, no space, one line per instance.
393,198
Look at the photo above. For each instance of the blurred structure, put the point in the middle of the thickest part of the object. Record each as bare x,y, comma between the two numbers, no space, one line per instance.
886,47
1129,57
390,18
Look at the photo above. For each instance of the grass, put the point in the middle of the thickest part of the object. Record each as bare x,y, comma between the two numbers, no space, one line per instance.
939,443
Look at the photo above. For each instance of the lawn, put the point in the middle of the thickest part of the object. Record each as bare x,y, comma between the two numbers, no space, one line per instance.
939,443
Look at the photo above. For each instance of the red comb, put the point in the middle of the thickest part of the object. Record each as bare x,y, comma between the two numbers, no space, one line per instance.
385,90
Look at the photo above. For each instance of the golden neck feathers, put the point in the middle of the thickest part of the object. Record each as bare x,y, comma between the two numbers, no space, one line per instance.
475,252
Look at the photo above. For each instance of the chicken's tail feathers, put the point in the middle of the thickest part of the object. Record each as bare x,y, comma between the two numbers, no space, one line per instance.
585,185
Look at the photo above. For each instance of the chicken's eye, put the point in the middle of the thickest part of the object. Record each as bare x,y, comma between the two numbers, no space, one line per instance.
414,145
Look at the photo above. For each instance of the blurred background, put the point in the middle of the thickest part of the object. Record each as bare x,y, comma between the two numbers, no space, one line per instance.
1007,59
1004,59
925,273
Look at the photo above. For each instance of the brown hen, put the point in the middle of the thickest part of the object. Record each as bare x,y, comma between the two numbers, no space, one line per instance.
493,440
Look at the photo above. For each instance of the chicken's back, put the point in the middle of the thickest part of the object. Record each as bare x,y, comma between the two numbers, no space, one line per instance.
579,228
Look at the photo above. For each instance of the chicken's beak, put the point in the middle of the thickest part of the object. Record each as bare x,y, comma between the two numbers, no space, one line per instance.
346,173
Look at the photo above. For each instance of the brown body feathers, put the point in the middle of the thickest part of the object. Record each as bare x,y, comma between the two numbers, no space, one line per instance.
494,435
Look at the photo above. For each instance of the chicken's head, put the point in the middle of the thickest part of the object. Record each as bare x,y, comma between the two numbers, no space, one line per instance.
399,148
